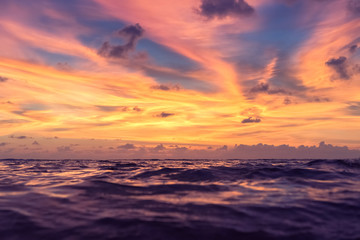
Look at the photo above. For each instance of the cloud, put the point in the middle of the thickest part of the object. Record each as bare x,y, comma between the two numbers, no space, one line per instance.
165,114
3,144
166,87
353,48
340,66
59,129
64,149
265,88
112,108
14,121
35,143
34,107
343,66
104,108
319,99
130,33
64,66
137,109
251,120
20,137
224,8
3,79
354,109
354,7
287,101
223,148
260,87
159,147
181,149
285,151
127,146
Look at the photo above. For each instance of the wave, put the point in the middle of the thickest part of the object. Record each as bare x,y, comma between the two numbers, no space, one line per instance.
180,199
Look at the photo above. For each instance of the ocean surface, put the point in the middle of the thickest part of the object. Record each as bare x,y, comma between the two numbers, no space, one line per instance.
180,199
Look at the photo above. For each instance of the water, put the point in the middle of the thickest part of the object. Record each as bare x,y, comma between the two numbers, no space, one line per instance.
180,199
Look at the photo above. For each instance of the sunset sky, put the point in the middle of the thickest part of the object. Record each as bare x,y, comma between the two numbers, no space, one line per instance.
87,77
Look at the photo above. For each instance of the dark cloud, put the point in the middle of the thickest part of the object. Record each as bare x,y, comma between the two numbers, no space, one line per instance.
260,87
3,79
224,8
131,34
319,99
287,101
127,146
353,48
251,120
354,7
3,144
161,87
108,50
165,115
165,87
265,88
137,109
35,143
278,91
20,137
340,66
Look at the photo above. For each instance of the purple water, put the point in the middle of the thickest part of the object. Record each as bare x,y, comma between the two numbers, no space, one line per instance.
180,199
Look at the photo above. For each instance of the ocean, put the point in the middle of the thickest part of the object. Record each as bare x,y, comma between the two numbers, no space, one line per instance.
180,199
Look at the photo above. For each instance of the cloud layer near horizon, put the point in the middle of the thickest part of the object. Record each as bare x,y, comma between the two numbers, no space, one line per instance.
192,72
58,148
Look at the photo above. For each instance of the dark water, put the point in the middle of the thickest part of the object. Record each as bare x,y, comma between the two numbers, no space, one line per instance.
180,199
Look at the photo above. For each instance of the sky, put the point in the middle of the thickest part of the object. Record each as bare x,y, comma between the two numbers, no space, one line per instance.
194,78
